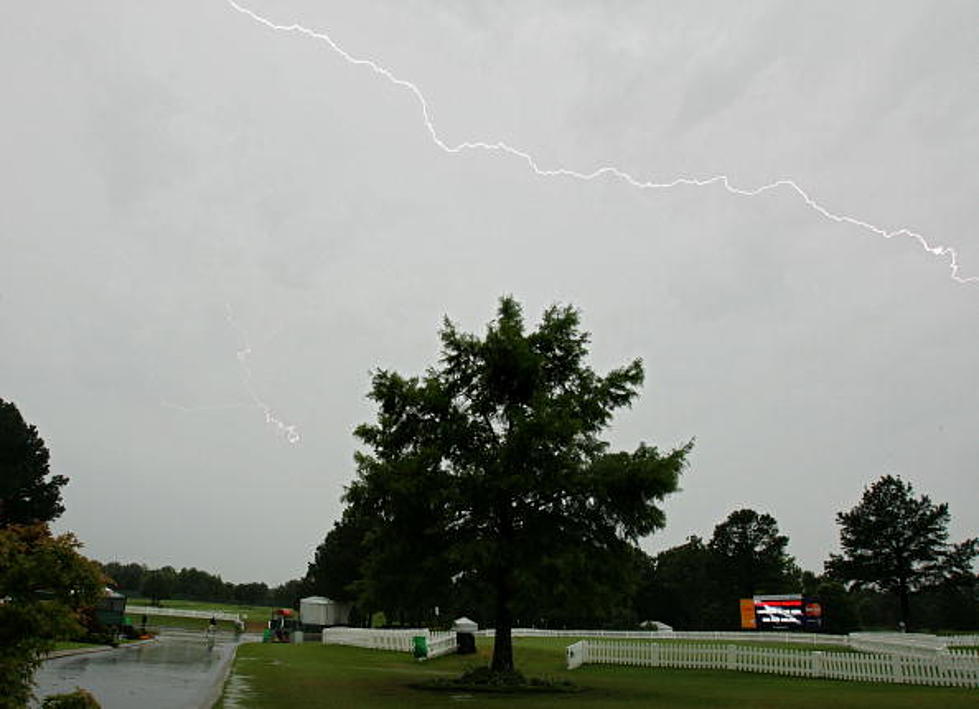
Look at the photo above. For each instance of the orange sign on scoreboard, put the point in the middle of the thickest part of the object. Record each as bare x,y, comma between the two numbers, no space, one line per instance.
748,614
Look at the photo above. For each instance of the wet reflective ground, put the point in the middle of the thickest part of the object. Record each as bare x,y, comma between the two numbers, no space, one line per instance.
174,672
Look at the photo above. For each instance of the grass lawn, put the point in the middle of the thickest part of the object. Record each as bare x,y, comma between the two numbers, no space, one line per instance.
257,616
73,645
153,622
314,675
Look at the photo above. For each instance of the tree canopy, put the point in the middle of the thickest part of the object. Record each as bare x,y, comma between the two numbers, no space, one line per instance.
490,467
750,554
898,543
27,494
44,585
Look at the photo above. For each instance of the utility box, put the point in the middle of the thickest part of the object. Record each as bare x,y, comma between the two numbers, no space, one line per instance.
320,612
111,608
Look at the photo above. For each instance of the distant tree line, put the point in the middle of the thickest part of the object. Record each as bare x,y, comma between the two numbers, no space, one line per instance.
896,567
191,584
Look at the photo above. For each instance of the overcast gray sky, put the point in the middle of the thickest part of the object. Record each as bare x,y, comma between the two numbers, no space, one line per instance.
202,216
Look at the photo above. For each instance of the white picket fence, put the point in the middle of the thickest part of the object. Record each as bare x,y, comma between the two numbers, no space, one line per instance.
913,644
399,640
946,670
961,652
441,643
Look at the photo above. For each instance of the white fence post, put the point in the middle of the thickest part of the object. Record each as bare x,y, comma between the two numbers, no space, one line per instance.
576,654
816,667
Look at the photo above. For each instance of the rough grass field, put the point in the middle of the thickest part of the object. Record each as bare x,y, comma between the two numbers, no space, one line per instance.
257,616
72,645
314,675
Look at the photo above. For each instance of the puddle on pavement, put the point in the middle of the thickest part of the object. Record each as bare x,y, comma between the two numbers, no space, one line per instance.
236,691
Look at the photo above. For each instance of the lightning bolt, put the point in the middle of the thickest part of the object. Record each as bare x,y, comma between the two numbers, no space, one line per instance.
289,431
946,253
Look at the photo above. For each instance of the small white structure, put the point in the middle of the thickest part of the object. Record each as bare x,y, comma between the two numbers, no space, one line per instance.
318,610
465,625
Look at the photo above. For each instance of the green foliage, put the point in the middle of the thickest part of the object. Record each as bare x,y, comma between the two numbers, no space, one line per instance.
895,542
45,585
252,593
696,586
750,555
490,469
336,566
682,589
27,495
127,578
195,584
287,595
79,699
839,608
159,584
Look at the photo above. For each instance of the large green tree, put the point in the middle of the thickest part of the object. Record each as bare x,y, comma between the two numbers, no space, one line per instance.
895,542
27,493
159,584
337,564
491,466
684,589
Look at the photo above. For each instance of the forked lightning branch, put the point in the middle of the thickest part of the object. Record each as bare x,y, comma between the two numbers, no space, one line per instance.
946,253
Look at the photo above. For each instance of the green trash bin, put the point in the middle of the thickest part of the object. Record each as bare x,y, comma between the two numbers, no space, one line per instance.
420,646
267,635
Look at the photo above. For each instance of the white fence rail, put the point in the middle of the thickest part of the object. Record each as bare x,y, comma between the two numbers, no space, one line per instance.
441,643
399,640
905,644
940,669
720,636
374,639
960,640
182,613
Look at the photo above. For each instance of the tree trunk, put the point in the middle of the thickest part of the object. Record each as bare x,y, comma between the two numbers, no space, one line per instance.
503,642
905,598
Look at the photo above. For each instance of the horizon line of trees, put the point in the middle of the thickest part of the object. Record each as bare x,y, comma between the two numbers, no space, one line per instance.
697,585
193,584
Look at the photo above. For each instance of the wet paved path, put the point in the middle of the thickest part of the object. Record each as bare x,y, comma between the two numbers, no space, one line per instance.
176,672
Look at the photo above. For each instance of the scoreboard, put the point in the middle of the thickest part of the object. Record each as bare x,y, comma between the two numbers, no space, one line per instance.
790,611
